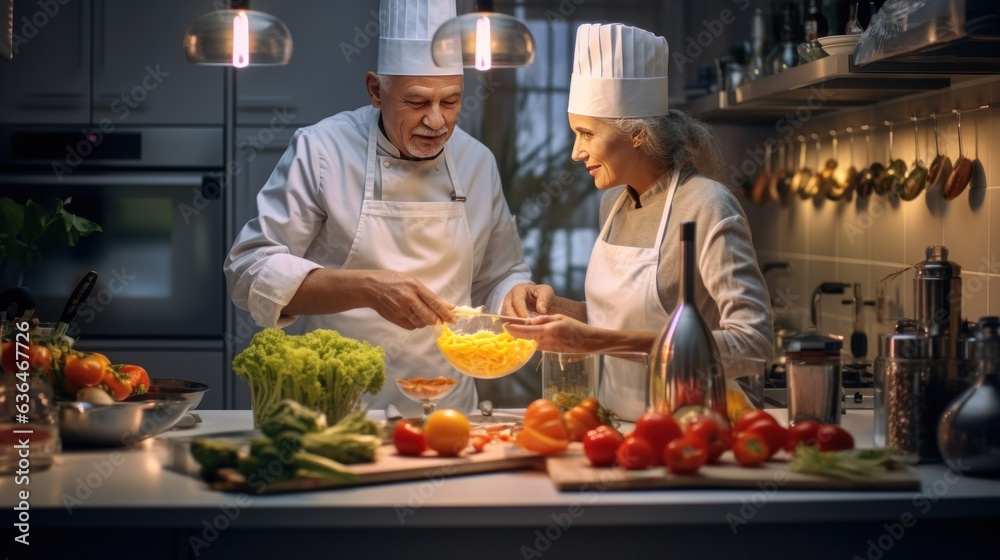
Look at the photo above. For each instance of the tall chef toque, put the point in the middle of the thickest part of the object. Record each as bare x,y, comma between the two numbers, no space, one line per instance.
618,71
406,28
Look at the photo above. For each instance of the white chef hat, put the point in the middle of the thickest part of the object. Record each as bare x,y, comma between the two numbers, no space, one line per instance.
618,71
406,28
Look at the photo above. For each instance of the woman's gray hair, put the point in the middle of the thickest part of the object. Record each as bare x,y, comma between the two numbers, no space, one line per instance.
677,141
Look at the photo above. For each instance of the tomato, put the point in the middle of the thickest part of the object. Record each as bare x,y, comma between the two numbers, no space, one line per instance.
658,430
84,370
715,438
582,418
752,416
803,431
834,438
750,449
116,384
138,378
685,455
774,434
408,438
38,358
544,431
479,442
600,445
634,454
447,432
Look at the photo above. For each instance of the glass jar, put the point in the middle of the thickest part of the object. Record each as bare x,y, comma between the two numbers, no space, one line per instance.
815,384
29,423
969,432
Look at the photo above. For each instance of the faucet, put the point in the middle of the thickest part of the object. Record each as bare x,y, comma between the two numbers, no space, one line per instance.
824,288
859,340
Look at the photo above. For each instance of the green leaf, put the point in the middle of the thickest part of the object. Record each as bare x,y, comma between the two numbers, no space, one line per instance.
11,222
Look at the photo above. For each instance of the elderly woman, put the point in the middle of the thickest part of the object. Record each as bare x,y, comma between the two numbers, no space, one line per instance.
655,166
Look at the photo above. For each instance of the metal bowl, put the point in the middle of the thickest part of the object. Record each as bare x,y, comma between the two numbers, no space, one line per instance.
120,423
192,391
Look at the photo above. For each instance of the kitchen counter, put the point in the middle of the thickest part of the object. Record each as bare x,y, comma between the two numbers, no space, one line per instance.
503,515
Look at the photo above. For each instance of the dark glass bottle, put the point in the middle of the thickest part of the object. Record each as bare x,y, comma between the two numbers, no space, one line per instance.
815,24
687,369
969,431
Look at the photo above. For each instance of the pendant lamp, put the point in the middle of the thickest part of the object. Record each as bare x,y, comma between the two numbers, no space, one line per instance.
485,39
238,37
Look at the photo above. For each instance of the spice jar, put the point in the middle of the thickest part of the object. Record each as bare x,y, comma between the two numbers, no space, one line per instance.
815,384
915,391
969,432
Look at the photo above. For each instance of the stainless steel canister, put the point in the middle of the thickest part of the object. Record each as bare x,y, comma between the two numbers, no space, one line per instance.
937,290
815,384
913,375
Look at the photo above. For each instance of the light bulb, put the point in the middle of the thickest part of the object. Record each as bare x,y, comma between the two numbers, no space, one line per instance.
241,40
483,54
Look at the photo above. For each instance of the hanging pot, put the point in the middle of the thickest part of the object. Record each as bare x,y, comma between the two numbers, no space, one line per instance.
916,178
811,187
870,175
804,174
941,167
892,180
962,173
758,193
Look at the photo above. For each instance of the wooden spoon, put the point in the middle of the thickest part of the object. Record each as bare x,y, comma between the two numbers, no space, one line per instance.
941,167
962,173
758,193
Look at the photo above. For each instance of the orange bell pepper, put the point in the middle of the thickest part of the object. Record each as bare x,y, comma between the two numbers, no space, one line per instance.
582,418
544,431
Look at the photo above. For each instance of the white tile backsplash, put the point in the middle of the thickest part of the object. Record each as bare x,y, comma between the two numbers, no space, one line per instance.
862,240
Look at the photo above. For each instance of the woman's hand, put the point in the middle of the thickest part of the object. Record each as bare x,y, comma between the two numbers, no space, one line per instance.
556,333
523,299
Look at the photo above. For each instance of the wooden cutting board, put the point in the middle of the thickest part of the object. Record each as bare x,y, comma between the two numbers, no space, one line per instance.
391,467
572,471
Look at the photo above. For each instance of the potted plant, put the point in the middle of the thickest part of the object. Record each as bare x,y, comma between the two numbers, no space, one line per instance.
26,228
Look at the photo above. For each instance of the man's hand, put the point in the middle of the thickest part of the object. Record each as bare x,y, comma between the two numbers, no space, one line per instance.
405,301
525,298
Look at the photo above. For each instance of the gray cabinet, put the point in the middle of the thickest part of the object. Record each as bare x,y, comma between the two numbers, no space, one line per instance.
333,45
140,73
48,79
118,62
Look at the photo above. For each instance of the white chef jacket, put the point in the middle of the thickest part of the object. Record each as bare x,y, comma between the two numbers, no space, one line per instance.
308,212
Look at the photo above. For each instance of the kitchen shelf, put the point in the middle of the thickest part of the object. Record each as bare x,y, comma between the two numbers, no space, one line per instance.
823,86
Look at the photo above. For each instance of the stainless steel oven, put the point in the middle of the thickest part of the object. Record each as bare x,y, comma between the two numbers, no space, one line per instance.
157,194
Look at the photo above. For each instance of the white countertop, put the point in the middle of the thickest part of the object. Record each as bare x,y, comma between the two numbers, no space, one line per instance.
108,488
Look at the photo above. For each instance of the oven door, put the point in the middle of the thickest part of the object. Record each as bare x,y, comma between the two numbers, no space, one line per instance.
159,256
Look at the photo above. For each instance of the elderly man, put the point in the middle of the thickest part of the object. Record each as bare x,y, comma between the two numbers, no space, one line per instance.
377,222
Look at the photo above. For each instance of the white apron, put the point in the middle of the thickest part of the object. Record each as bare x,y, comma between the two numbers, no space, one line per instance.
430,241
621,295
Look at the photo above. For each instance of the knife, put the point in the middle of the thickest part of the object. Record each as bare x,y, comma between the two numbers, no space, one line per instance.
79,296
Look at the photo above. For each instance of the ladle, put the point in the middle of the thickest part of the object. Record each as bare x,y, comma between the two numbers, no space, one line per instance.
962,173
831,185
916,179
802,177
871,174
941,167
812,186
846,180
892,180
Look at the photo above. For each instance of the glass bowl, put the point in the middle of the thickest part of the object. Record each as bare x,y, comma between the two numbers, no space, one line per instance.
479,346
